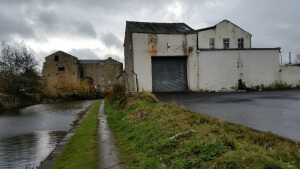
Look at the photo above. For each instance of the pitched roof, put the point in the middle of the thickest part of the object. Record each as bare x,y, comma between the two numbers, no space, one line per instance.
61,52
163,28
215,26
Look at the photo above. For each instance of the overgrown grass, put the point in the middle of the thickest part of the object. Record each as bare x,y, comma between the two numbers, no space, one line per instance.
81,151
157,135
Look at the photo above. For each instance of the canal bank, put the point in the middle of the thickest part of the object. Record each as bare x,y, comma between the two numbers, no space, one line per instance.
29,134
90,144
79,148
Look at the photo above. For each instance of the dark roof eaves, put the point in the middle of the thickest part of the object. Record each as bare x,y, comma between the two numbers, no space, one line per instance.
208,28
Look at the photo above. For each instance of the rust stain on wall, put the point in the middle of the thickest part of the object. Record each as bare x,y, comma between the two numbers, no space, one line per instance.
152,45
153,49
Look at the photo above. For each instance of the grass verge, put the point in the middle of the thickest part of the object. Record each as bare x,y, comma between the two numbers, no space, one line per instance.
81,151
158,135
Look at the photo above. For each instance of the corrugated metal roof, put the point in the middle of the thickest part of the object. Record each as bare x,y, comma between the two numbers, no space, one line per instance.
153,27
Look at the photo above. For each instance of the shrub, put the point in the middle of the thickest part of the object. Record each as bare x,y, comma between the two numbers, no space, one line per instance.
116,92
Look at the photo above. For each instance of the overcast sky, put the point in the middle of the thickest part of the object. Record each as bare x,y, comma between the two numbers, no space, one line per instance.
94,29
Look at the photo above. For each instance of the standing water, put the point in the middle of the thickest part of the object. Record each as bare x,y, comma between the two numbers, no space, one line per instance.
29,134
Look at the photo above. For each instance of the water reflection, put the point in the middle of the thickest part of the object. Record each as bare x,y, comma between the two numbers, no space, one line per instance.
28,135
18,151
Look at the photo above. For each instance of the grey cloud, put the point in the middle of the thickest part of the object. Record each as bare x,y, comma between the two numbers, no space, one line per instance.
85,28
272,23
110,40
59,25
10,26
84,54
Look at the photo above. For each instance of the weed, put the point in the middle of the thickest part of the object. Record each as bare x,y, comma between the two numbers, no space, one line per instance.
192,163
228,164
167,145
210,151
229,142
140,114
150,164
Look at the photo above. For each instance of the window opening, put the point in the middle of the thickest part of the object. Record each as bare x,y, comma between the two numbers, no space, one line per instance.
56,58
226,43
241,43
212,43
61,68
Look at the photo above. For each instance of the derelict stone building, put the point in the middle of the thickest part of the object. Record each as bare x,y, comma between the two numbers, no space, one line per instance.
62,70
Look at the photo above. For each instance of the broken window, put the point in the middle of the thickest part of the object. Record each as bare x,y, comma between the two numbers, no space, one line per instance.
241,43
226,43
61,68
212,43
56,58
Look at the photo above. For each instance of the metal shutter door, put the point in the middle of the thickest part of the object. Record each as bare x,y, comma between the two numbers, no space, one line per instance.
169,74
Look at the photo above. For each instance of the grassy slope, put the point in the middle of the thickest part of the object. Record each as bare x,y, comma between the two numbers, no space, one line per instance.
145,132
81,151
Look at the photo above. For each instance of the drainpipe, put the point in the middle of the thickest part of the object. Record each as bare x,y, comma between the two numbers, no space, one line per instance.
198,71
250,41
136,81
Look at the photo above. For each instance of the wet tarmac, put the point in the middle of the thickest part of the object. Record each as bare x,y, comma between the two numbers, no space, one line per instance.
29,134
274,111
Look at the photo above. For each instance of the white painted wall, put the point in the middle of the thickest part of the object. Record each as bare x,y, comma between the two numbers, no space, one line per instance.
224,29
290,75
179,44
220,70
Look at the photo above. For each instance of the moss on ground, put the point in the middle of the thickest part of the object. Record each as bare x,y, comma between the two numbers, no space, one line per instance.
158,135
81,151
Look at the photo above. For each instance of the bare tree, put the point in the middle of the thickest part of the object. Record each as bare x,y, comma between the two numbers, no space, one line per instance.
18,71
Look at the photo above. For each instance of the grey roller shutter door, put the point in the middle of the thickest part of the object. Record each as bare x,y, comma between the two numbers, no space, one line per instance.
169,74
